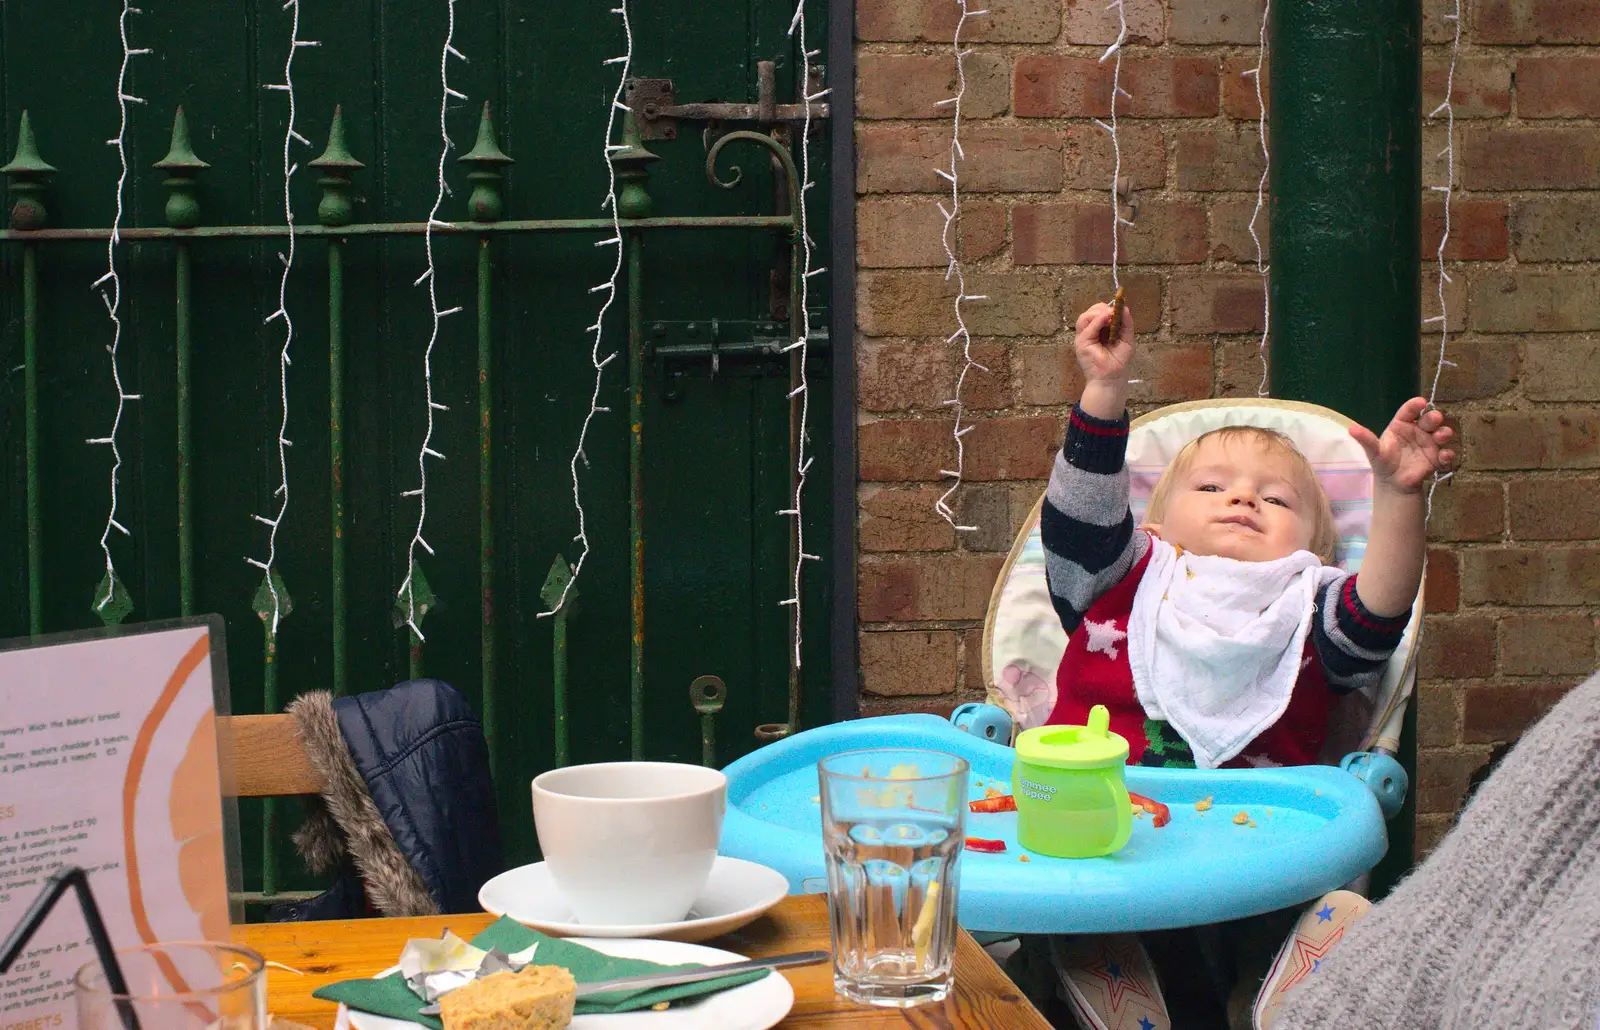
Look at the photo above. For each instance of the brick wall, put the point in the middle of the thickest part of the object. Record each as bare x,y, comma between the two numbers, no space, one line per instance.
1514,580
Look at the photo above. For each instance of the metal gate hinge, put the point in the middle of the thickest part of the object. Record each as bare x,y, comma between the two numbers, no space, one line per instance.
658,111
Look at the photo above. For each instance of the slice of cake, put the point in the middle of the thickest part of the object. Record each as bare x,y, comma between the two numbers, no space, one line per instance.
537,998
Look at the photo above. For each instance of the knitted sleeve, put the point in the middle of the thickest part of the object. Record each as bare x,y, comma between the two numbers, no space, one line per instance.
1500,928
1351,641
1085,525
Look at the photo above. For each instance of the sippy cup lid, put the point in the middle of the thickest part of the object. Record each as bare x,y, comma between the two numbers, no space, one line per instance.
1075,747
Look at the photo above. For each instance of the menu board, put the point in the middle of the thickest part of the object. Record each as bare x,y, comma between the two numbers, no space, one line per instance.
109,761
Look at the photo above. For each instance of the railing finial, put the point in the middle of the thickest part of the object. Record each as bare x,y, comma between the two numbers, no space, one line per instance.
632,160
337,165
485,160
182,168
27,172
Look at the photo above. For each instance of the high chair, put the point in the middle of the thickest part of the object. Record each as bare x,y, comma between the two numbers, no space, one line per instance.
1023,640
1304,831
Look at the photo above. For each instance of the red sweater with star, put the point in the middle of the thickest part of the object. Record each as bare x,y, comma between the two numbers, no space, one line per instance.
1094,560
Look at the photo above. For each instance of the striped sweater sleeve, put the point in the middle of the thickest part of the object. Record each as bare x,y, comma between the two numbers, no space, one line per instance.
1085,524
1352,642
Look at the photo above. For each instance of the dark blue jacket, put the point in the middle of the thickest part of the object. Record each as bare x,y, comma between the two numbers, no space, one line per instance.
421,753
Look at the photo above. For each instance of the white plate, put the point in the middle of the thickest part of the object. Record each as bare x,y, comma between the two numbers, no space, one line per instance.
737,893
757,1005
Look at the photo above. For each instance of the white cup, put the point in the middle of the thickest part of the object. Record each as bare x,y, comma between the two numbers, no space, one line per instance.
630,843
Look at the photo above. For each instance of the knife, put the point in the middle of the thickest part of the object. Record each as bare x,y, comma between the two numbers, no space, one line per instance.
684,976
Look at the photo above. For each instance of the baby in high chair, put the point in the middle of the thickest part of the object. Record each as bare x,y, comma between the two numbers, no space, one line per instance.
1220,633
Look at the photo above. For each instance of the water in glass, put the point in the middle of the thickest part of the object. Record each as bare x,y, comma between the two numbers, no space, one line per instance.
893,823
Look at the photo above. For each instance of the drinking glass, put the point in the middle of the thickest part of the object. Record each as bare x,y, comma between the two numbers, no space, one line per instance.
178,986
893,823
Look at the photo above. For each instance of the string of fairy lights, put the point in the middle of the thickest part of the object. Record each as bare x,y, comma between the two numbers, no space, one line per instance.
1442,319
286,257
802,320
1254,74
1114,51
408,587
949,238
608,296
109,286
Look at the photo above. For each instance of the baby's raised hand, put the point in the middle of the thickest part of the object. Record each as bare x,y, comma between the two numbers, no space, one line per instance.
1412,448
1099,357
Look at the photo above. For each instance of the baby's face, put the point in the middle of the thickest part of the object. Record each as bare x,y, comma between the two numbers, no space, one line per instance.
1239,499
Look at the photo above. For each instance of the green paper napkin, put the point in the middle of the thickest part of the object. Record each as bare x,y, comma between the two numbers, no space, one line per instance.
390,996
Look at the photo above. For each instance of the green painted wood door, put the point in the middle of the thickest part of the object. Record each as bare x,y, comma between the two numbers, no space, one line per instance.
716,443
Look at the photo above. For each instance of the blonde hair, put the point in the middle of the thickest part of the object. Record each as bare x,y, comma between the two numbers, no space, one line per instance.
1324,534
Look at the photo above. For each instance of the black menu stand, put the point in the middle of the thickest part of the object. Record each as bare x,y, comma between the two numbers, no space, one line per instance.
59,882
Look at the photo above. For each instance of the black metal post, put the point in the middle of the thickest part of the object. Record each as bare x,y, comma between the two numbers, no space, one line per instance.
842,335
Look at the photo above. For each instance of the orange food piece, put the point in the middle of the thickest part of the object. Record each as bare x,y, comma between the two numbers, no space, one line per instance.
1161,814
998,803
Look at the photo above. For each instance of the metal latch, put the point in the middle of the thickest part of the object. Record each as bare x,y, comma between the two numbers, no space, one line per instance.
675,347
658,111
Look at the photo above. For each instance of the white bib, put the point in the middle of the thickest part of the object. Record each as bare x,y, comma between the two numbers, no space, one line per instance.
1215,643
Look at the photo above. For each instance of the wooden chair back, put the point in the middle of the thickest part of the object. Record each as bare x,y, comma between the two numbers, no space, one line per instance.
268,756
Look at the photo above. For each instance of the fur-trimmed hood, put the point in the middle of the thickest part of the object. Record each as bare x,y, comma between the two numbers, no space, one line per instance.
407,815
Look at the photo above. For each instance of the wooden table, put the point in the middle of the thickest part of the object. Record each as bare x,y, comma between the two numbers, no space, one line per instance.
984,999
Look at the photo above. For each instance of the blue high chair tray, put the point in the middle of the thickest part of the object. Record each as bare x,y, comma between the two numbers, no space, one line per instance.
1314,829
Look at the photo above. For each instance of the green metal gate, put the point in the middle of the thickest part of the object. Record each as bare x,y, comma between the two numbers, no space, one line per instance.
686,473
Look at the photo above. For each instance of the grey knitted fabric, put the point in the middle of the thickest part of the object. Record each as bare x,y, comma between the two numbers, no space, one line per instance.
1500,928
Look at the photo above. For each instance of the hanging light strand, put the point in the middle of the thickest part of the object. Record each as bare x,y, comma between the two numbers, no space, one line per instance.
608,296
1254,74
1442,319
802,391
446,93
109,286
286,257
1117,92
950,237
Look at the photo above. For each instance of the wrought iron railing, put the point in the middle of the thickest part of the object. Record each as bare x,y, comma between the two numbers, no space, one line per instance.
29,176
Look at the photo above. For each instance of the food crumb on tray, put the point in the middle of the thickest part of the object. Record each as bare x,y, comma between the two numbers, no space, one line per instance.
1240,818
1203,805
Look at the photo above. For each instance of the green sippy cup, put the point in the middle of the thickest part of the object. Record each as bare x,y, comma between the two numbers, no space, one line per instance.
1071,798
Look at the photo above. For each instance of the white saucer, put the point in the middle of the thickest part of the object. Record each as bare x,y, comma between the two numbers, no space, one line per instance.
757,1005
736,894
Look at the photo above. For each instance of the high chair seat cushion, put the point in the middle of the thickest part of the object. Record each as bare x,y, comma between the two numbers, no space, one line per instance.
1023,639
